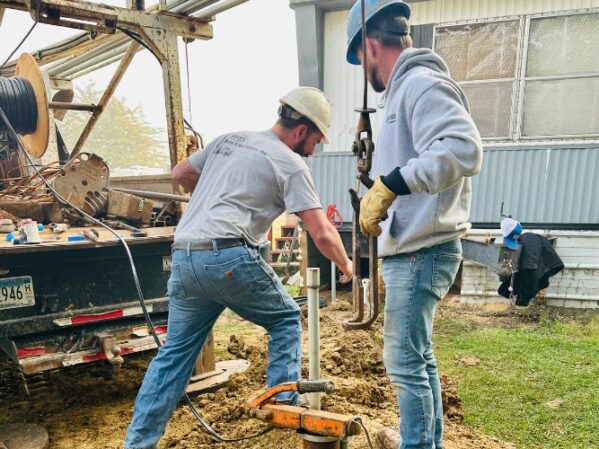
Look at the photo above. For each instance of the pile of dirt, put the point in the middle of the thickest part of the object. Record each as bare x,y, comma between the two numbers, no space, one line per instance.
97,402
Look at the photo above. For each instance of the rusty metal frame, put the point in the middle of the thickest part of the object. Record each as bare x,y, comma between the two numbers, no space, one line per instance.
158,29
155,27
82,15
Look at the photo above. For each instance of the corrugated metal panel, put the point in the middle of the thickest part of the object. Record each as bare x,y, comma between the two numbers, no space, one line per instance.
440,11
538,186
334,174
557,186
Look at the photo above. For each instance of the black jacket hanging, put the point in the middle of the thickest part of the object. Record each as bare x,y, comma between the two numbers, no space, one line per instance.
538,262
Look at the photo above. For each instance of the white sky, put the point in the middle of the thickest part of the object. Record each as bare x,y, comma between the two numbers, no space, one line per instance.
236,78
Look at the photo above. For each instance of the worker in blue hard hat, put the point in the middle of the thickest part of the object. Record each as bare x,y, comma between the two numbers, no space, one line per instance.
427,149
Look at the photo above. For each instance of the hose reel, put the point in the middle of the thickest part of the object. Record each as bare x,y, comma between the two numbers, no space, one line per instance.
24,98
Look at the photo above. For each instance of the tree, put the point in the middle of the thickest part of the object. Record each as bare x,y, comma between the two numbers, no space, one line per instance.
122,135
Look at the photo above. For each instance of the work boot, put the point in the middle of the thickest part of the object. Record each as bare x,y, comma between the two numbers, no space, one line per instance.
388,438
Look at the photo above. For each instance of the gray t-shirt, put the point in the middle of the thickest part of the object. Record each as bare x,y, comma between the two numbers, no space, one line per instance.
247,180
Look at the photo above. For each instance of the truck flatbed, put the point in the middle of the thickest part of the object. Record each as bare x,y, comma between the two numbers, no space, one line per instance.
58,242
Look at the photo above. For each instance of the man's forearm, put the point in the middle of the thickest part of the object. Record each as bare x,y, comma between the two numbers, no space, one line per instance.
330,245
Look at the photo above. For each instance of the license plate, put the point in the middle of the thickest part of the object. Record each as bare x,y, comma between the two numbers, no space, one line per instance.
166,263
16,292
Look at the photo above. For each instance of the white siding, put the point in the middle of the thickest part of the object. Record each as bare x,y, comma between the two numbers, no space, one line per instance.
343,84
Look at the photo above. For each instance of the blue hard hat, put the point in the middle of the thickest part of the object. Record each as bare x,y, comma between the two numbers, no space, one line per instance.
372,9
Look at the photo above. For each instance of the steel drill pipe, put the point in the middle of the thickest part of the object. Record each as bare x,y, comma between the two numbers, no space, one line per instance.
116,53
313,284
153,195
59,69
98,66
217,8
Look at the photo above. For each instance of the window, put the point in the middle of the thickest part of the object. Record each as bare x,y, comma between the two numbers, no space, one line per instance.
561,84
554,73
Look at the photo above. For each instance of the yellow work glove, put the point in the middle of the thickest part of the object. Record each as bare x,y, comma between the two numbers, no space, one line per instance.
373,207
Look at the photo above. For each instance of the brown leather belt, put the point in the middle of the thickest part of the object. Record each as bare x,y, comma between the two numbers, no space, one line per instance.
209,244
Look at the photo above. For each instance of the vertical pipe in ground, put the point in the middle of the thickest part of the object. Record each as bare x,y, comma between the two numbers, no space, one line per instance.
313,283
333,281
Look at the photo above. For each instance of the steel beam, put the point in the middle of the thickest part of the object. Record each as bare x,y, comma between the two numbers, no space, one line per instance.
164,46
105,18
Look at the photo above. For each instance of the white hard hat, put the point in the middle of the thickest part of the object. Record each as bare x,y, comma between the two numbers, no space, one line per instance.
313,104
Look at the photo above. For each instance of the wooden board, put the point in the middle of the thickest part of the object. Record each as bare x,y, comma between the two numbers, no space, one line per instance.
218,378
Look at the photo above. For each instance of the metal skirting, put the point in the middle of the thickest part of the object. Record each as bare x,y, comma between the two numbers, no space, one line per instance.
334,174
552,188
537,185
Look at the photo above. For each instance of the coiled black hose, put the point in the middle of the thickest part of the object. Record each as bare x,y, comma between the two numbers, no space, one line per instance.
17,99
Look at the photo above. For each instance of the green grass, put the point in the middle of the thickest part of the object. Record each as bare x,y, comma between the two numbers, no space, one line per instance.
521,369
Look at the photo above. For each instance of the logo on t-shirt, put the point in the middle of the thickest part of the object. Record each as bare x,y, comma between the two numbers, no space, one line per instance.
391,118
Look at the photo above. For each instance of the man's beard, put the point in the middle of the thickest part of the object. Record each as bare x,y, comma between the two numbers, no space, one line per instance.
300,147
375,82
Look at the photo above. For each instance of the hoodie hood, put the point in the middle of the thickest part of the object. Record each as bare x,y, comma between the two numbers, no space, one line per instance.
413,57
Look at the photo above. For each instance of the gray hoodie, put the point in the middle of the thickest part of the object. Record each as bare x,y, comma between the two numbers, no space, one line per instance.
427,131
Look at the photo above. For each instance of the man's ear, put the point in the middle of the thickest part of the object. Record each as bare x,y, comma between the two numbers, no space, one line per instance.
301,132
373,47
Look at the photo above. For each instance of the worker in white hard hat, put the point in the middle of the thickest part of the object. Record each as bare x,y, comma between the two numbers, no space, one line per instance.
426,152
240,183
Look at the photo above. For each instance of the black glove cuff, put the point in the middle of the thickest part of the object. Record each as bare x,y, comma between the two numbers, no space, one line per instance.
395,182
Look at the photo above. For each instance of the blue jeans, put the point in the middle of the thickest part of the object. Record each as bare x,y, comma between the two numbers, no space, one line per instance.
202,284
414,283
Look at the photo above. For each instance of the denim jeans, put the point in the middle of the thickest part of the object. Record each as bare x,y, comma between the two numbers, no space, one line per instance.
414,283
201,285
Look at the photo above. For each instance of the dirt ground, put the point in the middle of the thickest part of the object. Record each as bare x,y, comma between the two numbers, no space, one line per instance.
91,406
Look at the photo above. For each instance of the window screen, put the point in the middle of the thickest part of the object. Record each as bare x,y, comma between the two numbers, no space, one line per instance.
490,105
558,101
480,51
564,45
565,108
483,58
